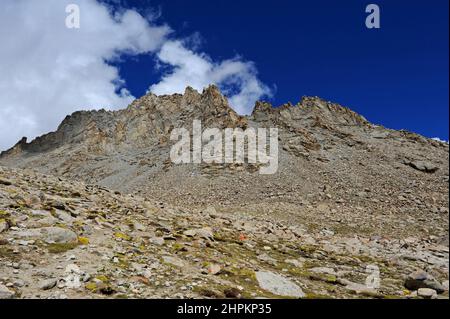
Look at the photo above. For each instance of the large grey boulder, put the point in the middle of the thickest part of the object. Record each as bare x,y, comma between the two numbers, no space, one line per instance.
423,166
278,285
58,235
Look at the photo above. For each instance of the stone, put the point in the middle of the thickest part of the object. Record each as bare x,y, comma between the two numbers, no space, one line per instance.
445,285
159,241
3,225
6,293
138,226
5,182
211,210
59,235
74,276
205,233
214,269
47,221
72,268
266,258
426,293
47,284
421,279
40,213
190,232
423,166
278,285
64,216
174,261
27,233
232,293
359,289
295,262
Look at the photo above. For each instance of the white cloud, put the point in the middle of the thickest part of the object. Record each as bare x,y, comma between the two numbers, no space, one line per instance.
238,79
48,71
439,140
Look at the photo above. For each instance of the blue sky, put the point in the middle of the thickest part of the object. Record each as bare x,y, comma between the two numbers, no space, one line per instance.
396,76
276,50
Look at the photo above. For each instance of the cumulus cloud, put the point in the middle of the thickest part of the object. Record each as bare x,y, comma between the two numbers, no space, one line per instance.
48,71
238,79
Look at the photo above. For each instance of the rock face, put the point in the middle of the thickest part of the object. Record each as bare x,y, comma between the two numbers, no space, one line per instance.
101,195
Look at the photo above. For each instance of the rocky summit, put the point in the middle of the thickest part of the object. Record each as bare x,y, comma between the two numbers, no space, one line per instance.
97,209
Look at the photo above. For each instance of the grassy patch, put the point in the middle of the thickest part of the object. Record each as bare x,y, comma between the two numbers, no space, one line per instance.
58,248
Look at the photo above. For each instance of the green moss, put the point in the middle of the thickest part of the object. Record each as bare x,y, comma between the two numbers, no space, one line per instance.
298,272
331,279
178,247
122,236
102,278
57,248
4,214
316,296
123,261
91,286
246,273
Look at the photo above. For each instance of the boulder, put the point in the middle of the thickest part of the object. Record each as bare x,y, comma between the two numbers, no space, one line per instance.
58,235
421,279
278,285
5,293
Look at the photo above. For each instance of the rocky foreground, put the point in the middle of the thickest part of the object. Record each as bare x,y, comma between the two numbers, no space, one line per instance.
65,239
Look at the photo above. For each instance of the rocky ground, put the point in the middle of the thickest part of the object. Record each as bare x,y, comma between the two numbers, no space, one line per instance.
65,239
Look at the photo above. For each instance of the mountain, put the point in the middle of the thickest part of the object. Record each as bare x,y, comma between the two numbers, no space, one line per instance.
347,194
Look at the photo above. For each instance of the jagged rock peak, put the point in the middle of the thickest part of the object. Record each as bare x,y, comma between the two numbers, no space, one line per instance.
263,107
323,110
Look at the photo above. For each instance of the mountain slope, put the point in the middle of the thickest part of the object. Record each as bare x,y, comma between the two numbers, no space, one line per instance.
65,239
328,156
